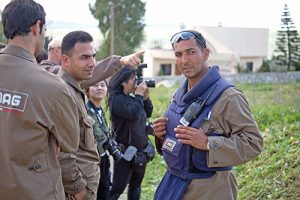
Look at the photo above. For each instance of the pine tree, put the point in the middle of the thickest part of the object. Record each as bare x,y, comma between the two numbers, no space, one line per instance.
128,25
287,52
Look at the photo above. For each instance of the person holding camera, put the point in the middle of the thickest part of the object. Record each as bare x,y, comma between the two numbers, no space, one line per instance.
129,106
96,93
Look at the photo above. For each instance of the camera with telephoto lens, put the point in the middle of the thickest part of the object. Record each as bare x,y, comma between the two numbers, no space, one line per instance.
112,147
139,74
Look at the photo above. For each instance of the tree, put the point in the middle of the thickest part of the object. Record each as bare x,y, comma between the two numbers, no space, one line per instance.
121,24
47,41
287,50
2,36
265,67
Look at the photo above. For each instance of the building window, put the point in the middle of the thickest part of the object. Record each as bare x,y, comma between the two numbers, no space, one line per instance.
165,69
249,66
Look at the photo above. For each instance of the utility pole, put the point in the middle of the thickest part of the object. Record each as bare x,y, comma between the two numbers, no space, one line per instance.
112,28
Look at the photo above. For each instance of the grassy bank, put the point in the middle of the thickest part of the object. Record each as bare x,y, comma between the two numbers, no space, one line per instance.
275,174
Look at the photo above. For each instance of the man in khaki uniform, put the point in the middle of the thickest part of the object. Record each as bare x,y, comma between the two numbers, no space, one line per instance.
37,113
81,170
207,129
53,63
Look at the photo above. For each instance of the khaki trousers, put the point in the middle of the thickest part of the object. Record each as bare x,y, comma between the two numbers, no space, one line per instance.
222,186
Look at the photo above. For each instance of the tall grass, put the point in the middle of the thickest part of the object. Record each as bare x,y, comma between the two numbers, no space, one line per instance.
275,174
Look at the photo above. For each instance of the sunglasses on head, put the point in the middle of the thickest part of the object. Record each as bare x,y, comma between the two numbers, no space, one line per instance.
186,35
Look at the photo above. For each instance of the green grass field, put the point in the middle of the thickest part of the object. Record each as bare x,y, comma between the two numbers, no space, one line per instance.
275,174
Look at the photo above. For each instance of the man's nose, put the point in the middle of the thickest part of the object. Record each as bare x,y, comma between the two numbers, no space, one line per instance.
92,63
184,58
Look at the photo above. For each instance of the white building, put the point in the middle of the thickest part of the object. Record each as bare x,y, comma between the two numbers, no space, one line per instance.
229,47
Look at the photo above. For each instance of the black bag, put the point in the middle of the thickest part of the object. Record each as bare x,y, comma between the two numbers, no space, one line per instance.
149,151
140,159
146,155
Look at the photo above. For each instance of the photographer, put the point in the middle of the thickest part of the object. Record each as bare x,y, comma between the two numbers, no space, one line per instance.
129,106
96,93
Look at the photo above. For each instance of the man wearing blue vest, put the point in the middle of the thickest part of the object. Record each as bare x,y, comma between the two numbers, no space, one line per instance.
207,129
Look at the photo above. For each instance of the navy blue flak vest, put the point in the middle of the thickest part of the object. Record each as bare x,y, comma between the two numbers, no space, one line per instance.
184,161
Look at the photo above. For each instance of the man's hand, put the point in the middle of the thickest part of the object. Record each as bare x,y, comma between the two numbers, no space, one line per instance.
192,136
159,127
80,195
132,59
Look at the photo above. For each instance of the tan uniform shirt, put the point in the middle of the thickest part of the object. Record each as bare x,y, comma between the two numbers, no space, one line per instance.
231,117
81,170
50,66
37,113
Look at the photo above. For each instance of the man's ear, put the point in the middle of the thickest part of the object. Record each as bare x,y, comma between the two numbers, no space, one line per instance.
206,53
65,61
36,27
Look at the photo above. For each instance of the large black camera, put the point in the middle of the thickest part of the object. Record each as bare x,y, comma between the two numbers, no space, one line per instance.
139,73
112,147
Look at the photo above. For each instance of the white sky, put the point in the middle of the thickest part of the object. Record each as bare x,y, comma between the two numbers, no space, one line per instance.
163,17
231,13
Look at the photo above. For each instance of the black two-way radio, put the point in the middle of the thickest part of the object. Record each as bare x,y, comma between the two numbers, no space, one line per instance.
194,110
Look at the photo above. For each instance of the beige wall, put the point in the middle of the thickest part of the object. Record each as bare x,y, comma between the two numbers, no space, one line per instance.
226,62
257,62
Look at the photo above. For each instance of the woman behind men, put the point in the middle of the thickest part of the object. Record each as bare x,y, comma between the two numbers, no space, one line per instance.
96,93
129,106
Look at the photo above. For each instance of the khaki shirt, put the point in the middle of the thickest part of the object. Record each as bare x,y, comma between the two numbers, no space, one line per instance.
50,66
242,142
81,170
37,114
232,117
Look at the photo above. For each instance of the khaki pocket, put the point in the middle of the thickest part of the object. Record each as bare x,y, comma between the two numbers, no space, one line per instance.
89,138
40,164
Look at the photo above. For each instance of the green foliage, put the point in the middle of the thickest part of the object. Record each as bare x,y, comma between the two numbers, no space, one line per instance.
161,96
275,174
2,36
265,67
128,25
288,42
297,66
47,41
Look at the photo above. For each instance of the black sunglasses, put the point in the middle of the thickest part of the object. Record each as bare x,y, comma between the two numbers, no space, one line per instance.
186,35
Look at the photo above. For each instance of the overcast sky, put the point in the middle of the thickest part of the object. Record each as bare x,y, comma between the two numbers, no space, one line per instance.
164,17
230,13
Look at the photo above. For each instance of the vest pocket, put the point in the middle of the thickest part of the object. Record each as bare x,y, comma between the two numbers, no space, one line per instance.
171,150
89,138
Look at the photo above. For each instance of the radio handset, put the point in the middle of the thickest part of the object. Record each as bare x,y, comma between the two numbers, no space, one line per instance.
194,110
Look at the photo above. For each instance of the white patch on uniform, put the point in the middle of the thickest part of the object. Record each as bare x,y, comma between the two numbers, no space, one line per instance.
12,100
169,144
